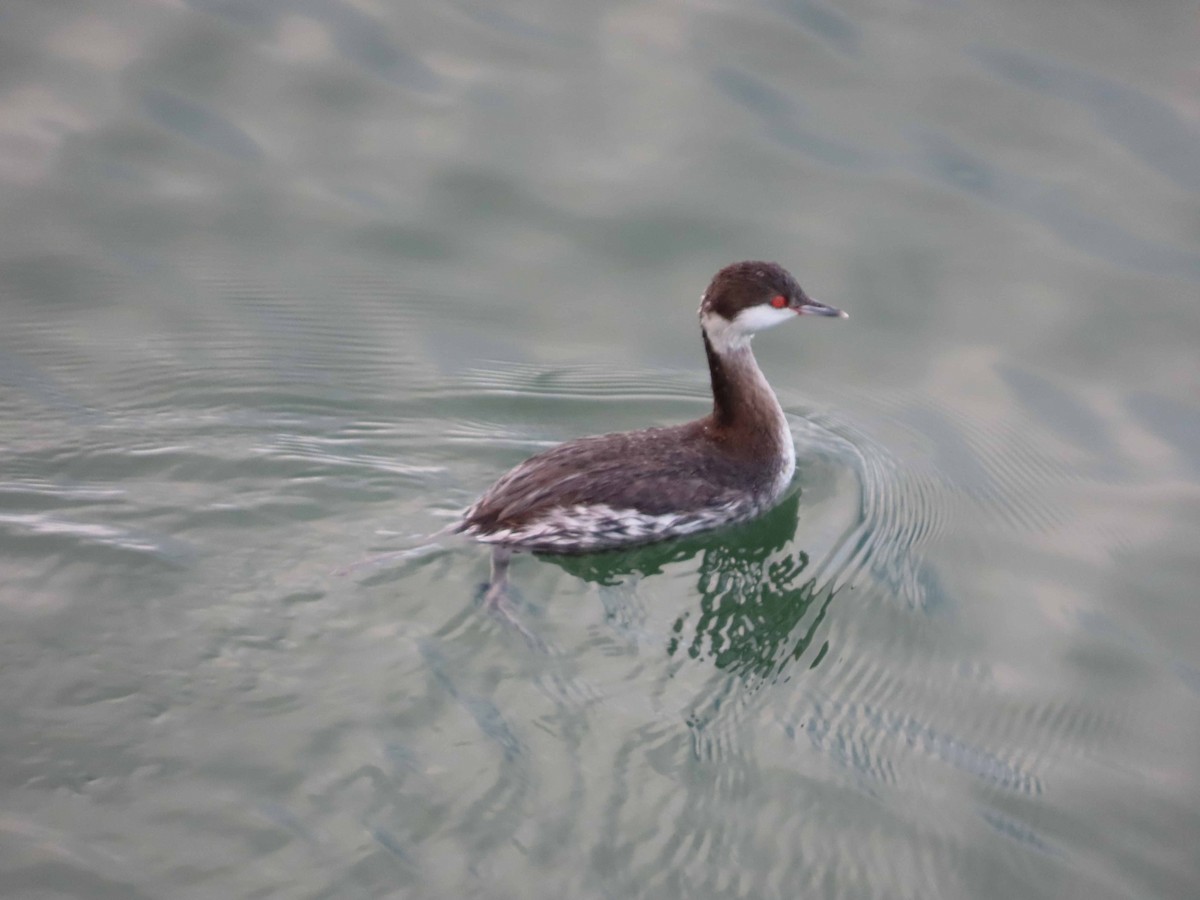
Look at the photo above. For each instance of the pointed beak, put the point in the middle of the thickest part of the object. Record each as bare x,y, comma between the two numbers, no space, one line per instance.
810,307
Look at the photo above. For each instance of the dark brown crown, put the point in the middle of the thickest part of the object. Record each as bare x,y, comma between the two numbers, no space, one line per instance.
750,283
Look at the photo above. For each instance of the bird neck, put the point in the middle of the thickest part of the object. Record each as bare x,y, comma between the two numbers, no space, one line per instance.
742,399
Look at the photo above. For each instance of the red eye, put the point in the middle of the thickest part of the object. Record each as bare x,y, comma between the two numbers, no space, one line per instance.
779,301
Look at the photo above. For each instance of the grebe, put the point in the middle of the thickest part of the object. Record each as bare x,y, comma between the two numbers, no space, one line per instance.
635,487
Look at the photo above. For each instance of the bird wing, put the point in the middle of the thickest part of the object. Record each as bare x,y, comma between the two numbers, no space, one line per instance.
653,472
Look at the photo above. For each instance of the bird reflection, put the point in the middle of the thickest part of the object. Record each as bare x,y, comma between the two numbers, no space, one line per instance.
760,605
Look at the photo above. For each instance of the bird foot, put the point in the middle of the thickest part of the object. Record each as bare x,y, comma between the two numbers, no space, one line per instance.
499,604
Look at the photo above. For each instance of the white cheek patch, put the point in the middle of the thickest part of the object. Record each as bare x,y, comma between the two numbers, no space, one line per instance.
727,336
761,317
724,335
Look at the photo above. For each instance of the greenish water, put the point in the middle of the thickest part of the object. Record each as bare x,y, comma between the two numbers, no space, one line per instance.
284,284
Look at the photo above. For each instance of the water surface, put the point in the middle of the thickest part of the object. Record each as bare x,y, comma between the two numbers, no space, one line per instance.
286,284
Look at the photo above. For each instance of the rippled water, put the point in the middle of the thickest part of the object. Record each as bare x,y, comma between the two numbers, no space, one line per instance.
284,285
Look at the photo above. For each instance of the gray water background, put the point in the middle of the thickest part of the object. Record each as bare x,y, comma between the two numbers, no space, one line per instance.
285,283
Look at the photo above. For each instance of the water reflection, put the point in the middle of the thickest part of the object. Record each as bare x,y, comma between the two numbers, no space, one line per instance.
756,592
756,596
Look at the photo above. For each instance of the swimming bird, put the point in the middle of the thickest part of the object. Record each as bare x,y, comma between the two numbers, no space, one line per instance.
635,487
